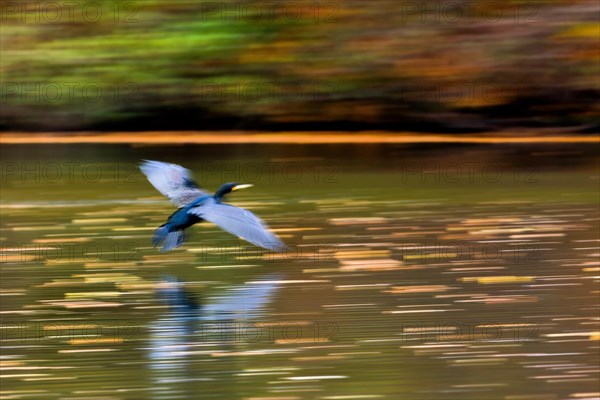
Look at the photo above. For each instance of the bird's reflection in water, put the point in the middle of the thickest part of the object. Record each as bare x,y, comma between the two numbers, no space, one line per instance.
182,342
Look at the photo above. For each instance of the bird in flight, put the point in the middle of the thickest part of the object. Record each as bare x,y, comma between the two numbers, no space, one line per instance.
195,205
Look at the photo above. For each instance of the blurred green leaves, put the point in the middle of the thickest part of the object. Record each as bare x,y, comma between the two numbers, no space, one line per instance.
393,64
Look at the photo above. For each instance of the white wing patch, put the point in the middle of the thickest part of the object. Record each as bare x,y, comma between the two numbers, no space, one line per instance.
173,181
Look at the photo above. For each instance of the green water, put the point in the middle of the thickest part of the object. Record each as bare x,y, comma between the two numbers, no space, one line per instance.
415,272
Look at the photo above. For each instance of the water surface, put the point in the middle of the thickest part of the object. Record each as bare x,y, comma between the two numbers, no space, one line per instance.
417,272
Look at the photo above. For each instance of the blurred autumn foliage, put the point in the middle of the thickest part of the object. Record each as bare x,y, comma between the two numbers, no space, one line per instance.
347,65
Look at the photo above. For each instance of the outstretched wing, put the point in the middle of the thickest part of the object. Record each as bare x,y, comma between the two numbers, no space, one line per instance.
239,222
173,181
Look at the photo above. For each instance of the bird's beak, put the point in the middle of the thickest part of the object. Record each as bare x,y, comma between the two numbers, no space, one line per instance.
244,186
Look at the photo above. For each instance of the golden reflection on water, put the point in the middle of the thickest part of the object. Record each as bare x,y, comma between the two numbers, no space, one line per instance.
380,297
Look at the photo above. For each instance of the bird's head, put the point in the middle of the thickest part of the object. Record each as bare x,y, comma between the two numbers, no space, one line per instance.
230,187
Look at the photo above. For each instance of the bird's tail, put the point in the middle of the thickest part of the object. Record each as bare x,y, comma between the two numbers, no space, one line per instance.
169,239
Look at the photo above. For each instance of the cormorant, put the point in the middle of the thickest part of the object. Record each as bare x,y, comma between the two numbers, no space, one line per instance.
196,205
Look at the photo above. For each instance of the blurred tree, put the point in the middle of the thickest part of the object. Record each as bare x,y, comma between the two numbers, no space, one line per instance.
399,65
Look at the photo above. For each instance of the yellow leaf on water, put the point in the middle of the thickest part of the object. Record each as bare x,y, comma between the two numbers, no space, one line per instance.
92,340
98,220
418,289
486,280
583,31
